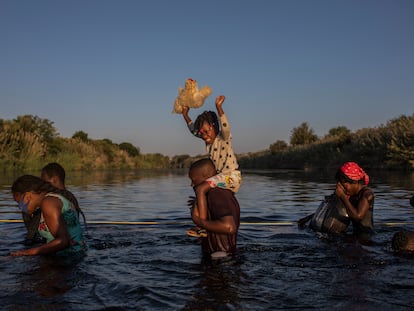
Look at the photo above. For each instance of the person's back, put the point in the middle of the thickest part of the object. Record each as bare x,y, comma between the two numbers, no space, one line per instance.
221,203
223,212
54,174
71,218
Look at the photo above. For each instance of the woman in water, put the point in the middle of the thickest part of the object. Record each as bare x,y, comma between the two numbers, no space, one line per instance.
358,199
59,220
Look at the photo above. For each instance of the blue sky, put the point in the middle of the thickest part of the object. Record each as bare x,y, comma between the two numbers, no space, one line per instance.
113,68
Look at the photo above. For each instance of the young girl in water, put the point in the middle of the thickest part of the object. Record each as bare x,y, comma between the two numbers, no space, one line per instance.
352,189
217,137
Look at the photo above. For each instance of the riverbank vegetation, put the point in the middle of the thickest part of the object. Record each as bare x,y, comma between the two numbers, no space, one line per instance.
389,146
28,142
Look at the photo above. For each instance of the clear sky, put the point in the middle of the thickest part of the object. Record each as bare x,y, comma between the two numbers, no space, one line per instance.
112,68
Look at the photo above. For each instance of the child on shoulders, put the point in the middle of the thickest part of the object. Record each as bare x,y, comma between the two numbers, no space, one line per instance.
215,131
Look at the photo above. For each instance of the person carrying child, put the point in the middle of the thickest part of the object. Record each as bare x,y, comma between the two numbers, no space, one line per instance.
223,220
215,131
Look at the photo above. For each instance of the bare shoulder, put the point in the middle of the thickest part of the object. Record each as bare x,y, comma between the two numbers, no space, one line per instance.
51,202
368,194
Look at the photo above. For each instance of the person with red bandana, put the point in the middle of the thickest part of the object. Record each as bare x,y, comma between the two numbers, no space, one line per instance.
358,199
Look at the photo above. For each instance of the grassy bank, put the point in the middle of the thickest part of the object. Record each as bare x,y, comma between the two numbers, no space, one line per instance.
27,143
387,147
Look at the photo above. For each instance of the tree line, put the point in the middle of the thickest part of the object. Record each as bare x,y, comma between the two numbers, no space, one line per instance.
389,146
28,142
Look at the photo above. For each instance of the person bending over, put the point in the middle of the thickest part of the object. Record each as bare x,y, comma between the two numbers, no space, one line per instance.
55,174
59,219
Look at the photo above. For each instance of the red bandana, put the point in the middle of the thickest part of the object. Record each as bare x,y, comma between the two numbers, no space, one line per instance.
355,172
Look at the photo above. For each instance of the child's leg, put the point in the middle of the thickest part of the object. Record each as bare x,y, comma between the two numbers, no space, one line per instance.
230,181
196,231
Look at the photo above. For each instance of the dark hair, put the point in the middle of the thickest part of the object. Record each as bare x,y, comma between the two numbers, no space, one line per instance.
204,162
341,176
54,169
400,241
27,183
207,116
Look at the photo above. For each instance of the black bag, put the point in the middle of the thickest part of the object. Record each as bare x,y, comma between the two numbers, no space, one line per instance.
331,216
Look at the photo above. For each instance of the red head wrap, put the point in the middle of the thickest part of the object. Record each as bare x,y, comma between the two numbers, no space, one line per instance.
355,172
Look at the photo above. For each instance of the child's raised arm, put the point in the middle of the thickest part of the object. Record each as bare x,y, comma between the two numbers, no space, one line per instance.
188,120
219,103
185,114
225,126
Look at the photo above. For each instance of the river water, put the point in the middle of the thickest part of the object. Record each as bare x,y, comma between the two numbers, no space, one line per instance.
152,265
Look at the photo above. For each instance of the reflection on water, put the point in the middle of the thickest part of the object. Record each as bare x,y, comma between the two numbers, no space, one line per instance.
157,267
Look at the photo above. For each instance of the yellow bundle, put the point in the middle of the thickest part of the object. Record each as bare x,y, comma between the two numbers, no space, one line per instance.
191,96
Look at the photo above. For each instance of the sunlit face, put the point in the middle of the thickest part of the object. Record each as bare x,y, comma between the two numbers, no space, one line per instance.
207,133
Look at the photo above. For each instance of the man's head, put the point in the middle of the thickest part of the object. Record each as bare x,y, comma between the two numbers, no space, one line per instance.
403,241
54,174
201,170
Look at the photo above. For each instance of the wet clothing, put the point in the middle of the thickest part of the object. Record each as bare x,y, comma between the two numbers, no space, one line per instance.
221,203
70,215
222,154
366,225
31,221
